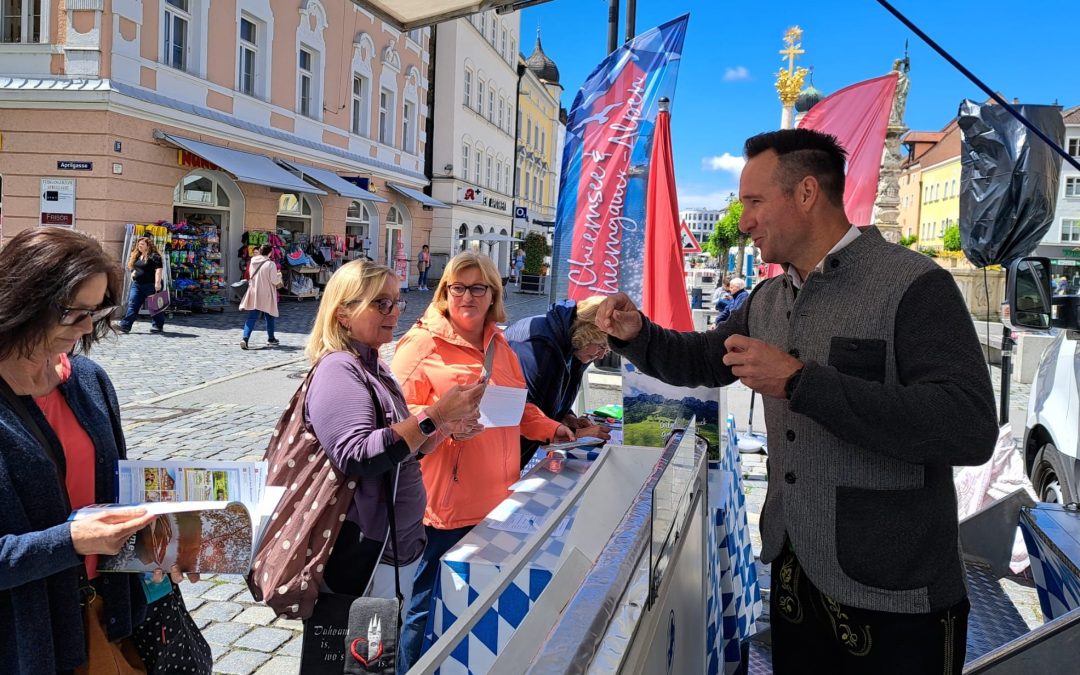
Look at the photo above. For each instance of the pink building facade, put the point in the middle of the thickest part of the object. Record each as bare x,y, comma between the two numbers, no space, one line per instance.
251,114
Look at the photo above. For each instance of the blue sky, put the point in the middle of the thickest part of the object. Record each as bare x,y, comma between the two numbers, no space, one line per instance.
725,91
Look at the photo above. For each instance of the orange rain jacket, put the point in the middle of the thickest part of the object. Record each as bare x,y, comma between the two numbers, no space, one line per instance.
465,480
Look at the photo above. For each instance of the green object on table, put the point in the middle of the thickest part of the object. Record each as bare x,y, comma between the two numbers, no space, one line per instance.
614,410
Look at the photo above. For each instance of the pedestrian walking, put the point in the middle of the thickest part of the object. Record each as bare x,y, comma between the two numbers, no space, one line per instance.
866,418
146,267
423,264
261,297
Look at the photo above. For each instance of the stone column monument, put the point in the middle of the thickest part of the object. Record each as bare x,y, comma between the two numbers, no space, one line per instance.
887,203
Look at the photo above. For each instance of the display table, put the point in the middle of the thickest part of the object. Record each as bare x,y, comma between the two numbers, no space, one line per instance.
1052,535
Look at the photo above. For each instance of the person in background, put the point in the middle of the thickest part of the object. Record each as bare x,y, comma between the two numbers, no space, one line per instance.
261,297
722,297
519,263
737,286
866,417
60,440
423,264
357,316
555,349
471,471
146,267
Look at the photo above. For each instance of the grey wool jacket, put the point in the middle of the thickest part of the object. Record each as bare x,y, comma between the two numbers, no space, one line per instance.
894,393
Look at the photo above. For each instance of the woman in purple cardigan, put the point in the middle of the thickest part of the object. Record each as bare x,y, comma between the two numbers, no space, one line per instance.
357,316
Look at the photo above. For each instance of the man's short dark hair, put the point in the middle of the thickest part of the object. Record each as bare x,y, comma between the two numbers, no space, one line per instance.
802,153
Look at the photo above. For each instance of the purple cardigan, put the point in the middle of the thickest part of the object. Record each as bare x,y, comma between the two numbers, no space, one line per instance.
340,411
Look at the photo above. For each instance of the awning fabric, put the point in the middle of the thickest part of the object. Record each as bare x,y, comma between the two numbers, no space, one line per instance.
489,237
408,14
333,182
248,167
418,196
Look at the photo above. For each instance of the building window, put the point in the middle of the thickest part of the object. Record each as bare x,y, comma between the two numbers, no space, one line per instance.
386,117
359,105
1072,187
479,165
506,177
1074,147
1070,230
491,31
502,42
20,21
465,152
483,23
502,117
498,176
487,170
249,51
177,22
307,77
528,132
407,142
481,89
491,105
543,141
357,220
415,35
468,87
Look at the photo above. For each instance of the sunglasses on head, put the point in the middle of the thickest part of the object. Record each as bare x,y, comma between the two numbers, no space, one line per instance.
69,316
476,290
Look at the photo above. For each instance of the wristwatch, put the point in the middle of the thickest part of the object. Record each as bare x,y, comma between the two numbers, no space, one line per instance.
792,382
427,425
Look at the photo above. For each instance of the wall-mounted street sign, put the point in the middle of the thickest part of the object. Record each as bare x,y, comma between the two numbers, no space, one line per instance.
58,201
72,165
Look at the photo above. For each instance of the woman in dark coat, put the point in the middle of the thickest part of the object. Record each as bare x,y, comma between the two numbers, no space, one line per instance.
555,349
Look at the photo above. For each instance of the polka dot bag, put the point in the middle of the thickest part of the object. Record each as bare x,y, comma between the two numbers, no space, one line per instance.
287,568
169,641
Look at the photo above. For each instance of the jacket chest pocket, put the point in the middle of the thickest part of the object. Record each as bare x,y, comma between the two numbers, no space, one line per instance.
858,357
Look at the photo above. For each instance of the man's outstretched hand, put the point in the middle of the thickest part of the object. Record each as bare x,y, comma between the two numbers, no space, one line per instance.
619,317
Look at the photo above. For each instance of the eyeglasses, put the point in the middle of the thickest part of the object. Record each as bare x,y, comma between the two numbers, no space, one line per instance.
386,305
69,316
476,290
596,351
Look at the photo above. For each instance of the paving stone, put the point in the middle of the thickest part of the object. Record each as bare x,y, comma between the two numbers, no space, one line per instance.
194,590
218,611
193,604
259,615
240,662
225,633
264,639
224,592
292,647
280,665
291,624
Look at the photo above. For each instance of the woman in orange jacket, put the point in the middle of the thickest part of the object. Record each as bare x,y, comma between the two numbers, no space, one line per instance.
470,471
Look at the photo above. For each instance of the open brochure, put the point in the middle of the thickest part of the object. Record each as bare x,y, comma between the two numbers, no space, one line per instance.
211,515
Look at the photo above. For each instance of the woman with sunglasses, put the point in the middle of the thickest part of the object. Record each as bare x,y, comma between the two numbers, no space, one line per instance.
60,439
472,469
349,391
146,267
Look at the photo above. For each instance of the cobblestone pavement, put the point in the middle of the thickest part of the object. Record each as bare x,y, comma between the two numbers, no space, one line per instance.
171,411
152,372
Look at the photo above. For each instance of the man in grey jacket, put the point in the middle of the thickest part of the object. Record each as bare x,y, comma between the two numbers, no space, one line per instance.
874,388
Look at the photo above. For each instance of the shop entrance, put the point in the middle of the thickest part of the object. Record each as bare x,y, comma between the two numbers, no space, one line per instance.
209,199
396,252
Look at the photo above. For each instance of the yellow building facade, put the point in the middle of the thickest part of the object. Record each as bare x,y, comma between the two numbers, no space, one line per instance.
940,207
536,184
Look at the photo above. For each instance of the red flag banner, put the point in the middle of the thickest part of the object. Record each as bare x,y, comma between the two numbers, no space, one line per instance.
663,292
858,115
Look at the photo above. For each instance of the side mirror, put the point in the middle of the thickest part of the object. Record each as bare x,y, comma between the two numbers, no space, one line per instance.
1028,297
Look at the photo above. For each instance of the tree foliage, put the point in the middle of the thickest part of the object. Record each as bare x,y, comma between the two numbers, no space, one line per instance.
727,232
536,247
951,240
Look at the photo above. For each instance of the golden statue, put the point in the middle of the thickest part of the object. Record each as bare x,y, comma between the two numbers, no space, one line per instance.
789,81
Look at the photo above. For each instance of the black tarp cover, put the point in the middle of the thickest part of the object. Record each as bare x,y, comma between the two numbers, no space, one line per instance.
1008,180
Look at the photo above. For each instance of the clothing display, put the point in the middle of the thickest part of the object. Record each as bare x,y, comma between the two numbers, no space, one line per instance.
198,277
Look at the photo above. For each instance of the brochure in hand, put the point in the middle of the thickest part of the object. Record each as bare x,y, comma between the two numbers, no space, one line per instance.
192,531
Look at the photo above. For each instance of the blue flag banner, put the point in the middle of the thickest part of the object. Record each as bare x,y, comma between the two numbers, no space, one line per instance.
600,222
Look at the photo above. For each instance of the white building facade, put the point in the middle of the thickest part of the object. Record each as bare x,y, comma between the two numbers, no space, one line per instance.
701,222
475,111
1062,241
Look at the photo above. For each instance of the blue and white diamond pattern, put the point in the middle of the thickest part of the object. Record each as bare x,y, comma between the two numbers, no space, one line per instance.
1057,584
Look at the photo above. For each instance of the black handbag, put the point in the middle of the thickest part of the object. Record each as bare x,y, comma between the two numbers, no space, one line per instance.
169,641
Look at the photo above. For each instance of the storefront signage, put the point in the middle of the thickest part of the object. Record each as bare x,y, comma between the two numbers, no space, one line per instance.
71,165
1071,252
497,204
58,201
362,182
189,159
470,195
521,212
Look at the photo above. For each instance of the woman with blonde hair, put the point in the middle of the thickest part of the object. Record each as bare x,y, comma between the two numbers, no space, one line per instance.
358,413
146,266
555,349
472,469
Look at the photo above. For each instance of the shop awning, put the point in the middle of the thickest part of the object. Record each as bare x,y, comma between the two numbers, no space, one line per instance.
247,167
418,196
333,182
409,14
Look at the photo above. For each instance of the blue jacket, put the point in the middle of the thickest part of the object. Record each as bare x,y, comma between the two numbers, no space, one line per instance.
736,301
40,617
552,372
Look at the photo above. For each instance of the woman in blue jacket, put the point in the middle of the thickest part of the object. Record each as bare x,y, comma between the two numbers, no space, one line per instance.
60,439
555,349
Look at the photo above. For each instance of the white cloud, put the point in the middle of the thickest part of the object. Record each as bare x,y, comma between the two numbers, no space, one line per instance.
736,74
727,162
708,199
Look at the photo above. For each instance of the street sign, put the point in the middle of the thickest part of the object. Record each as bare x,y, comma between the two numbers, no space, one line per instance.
58,201
689,241
72,165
